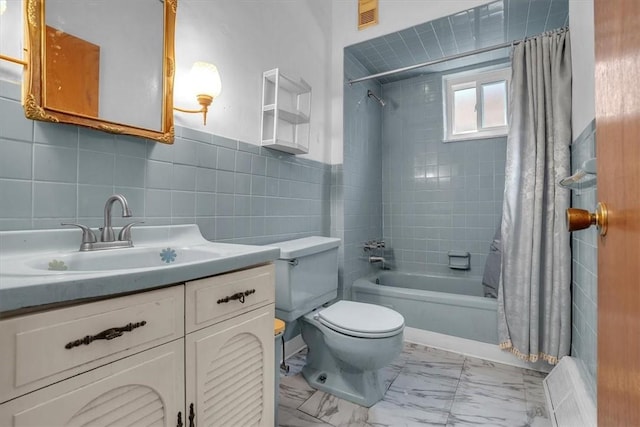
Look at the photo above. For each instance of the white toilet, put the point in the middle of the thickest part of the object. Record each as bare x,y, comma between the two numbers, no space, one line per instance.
348,342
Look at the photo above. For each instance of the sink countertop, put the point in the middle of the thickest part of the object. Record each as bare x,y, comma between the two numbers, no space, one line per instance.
22,285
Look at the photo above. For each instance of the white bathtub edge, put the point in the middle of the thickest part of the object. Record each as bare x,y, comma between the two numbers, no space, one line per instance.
481,350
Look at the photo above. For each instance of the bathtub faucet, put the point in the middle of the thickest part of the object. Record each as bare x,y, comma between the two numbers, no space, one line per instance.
373,244
383,262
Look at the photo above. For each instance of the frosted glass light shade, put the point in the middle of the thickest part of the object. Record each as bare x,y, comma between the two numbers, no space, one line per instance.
205,79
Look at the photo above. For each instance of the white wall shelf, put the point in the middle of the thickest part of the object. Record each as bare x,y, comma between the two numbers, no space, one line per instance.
286,113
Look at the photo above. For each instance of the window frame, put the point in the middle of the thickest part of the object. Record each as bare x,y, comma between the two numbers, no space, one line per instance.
466,80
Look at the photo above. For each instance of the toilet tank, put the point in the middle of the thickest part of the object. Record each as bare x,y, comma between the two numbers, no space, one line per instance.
306,275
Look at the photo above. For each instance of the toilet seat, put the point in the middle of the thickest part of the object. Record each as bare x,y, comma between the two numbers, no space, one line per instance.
361,320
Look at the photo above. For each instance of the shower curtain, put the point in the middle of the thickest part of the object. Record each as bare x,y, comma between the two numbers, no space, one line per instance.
534,295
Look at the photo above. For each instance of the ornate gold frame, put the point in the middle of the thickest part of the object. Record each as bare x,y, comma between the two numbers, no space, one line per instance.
32,89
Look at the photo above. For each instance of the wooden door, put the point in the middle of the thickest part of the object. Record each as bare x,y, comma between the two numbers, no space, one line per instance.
229,371
617,39
143,389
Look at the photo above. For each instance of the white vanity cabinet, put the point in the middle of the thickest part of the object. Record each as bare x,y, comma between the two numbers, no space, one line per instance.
230,379
195,354
230,348
144,389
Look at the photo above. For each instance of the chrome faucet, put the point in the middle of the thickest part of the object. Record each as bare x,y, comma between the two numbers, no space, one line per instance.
107,231
373,244
107,236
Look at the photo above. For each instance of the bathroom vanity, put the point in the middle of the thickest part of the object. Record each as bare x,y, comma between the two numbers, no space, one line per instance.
157,351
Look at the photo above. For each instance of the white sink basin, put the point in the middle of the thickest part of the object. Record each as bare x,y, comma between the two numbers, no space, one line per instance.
121,259
45,266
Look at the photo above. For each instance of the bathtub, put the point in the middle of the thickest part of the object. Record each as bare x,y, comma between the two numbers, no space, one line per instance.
447,305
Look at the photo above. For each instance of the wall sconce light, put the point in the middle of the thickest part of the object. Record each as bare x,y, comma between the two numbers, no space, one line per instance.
205,80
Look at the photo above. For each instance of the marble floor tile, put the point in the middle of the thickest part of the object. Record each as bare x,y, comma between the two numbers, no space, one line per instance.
474,406
294,391
426,387
288,417
388,414
391,372
296,363
535,399
417,353
489,394
480,371
412,400
335,411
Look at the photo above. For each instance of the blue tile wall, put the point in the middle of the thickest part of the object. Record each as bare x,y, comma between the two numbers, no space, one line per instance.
483,26
236,192
585,268
357,184
437,196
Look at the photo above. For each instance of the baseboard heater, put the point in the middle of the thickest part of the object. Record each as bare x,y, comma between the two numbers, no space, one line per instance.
568,400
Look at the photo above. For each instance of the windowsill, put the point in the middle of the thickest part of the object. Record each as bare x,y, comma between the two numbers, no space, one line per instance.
473,138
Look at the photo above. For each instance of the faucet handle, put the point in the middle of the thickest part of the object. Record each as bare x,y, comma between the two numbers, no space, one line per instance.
88,235
373,244
125,232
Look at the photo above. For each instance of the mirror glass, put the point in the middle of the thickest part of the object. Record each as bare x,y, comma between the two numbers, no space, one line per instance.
106,64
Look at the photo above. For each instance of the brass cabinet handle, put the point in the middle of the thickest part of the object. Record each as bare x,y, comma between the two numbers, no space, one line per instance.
579,219
107,334
237,296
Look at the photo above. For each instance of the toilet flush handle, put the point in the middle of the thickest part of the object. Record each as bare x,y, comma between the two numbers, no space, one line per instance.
293,262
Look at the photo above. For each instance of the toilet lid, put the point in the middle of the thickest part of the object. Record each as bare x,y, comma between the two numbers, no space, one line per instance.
361,320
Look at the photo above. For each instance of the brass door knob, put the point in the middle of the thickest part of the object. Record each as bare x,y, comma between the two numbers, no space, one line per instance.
579,219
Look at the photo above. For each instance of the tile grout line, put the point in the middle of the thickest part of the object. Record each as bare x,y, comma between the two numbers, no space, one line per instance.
455,393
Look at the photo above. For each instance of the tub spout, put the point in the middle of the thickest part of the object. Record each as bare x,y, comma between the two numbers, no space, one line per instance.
374,259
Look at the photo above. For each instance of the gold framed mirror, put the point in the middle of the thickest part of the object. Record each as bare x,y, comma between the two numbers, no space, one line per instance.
103,64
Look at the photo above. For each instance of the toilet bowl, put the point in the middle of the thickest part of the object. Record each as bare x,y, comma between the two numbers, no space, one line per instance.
345,355
348,342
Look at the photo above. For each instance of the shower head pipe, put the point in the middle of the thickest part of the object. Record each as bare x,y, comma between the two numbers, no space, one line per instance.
373,95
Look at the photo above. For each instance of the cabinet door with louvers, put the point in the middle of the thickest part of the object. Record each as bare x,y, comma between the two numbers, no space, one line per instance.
144,389
229,371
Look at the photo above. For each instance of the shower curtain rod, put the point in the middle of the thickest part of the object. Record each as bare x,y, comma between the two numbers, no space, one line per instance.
435,61
456,56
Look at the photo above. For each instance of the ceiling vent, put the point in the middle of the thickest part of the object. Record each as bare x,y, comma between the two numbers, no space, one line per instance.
367,13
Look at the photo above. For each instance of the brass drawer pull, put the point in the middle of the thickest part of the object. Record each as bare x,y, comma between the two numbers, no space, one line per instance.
237,296
108,334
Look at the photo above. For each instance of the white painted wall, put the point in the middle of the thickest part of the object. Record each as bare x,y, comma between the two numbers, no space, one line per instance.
244,38
394,15
583,64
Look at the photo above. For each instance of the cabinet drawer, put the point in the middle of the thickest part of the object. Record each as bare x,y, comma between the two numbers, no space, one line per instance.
205,298
47,347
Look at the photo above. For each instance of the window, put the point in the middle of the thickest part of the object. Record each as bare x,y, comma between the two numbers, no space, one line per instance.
476,104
